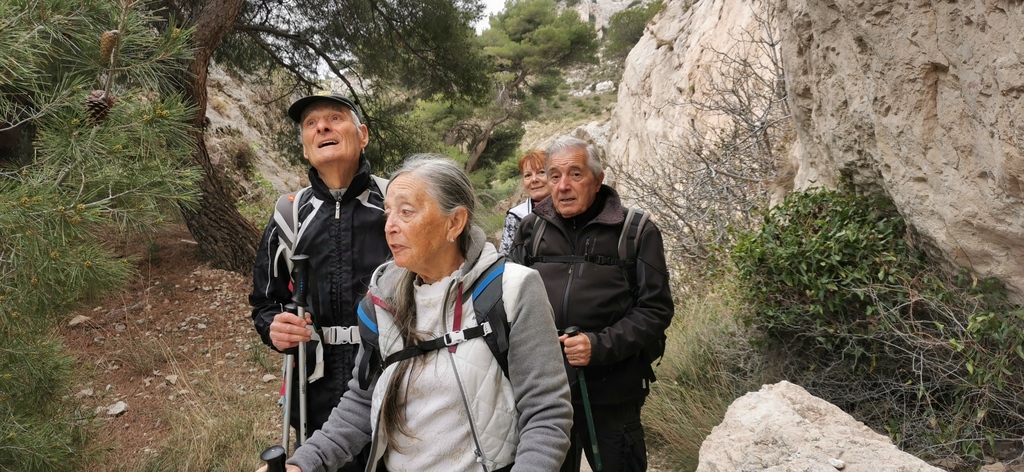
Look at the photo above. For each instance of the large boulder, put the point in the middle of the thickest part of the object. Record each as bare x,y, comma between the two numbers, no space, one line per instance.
783,428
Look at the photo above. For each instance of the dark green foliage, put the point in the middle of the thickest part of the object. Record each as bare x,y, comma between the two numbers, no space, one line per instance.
85,179
626,27
816,251
529,37
860,318
423,45
503,144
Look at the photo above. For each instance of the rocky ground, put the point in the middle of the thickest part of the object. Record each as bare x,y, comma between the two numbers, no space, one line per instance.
179,339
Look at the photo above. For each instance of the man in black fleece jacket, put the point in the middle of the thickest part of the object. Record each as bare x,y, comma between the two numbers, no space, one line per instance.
621,308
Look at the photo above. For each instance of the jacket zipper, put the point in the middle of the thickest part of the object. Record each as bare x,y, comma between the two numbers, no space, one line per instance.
337,210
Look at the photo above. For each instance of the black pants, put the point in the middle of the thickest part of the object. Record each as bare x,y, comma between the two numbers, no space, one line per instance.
620,438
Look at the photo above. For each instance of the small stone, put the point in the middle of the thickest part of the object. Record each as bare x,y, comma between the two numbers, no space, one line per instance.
200,326
86,392
147,381
117,409
120,327
269,378
78,320
172,379
838,464
101,410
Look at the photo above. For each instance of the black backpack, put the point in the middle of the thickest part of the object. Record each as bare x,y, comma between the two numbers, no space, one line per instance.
492,325
631,228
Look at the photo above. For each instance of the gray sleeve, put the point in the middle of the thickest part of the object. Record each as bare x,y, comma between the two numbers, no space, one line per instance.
538,379
344,434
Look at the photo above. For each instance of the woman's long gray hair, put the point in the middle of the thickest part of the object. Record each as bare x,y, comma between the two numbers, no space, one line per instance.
450,189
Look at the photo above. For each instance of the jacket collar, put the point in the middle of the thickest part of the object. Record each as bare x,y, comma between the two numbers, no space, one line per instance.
360,182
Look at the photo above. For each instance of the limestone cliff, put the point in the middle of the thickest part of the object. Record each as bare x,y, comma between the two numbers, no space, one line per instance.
920,100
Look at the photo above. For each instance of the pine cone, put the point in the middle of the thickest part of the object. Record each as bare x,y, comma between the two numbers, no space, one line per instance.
108,40
98,105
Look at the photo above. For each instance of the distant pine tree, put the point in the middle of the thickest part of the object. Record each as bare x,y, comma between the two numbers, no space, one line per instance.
104,151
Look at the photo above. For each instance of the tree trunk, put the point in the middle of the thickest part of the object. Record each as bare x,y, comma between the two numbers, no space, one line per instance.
481,142
226,239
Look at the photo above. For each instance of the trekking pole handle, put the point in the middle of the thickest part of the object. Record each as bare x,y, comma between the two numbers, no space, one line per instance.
300,279
274,456
572,331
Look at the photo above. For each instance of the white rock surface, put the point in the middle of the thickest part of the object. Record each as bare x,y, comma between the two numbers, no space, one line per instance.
599,11
233,123
117,409
922,101
783,428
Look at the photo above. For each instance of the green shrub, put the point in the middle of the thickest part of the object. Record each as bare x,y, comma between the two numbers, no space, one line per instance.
626,27
862,319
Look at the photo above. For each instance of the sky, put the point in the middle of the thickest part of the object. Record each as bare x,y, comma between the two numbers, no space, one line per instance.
491,7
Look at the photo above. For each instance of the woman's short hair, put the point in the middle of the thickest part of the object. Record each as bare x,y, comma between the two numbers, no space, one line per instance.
537,159
447,184
593,156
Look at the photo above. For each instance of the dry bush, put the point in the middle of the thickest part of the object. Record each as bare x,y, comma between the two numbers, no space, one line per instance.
707,364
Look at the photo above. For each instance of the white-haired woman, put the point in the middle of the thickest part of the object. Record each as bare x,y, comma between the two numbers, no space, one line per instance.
450,409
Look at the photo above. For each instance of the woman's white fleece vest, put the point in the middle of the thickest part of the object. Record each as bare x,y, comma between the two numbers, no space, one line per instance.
484,388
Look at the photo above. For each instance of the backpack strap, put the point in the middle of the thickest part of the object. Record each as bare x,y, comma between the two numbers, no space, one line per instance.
539,224
490,310
631,228
492,325
369,364
289,229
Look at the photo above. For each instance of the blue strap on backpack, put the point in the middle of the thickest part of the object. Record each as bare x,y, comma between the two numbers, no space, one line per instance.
492,325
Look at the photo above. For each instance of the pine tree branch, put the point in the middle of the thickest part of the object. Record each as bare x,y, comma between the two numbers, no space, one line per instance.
298,38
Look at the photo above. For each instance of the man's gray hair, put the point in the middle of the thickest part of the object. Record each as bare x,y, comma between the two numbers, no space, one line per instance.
447,184
566,143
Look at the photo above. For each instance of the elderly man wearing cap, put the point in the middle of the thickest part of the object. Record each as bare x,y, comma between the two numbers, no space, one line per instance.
341,229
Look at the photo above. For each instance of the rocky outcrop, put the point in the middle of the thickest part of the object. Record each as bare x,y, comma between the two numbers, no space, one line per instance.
664,74
920,100
238,122
782,427
599,11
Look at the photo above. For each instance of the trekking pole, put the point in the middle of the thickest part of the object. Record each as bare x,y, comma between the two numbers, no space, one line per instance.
274,457
287,370
300,281
573,331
